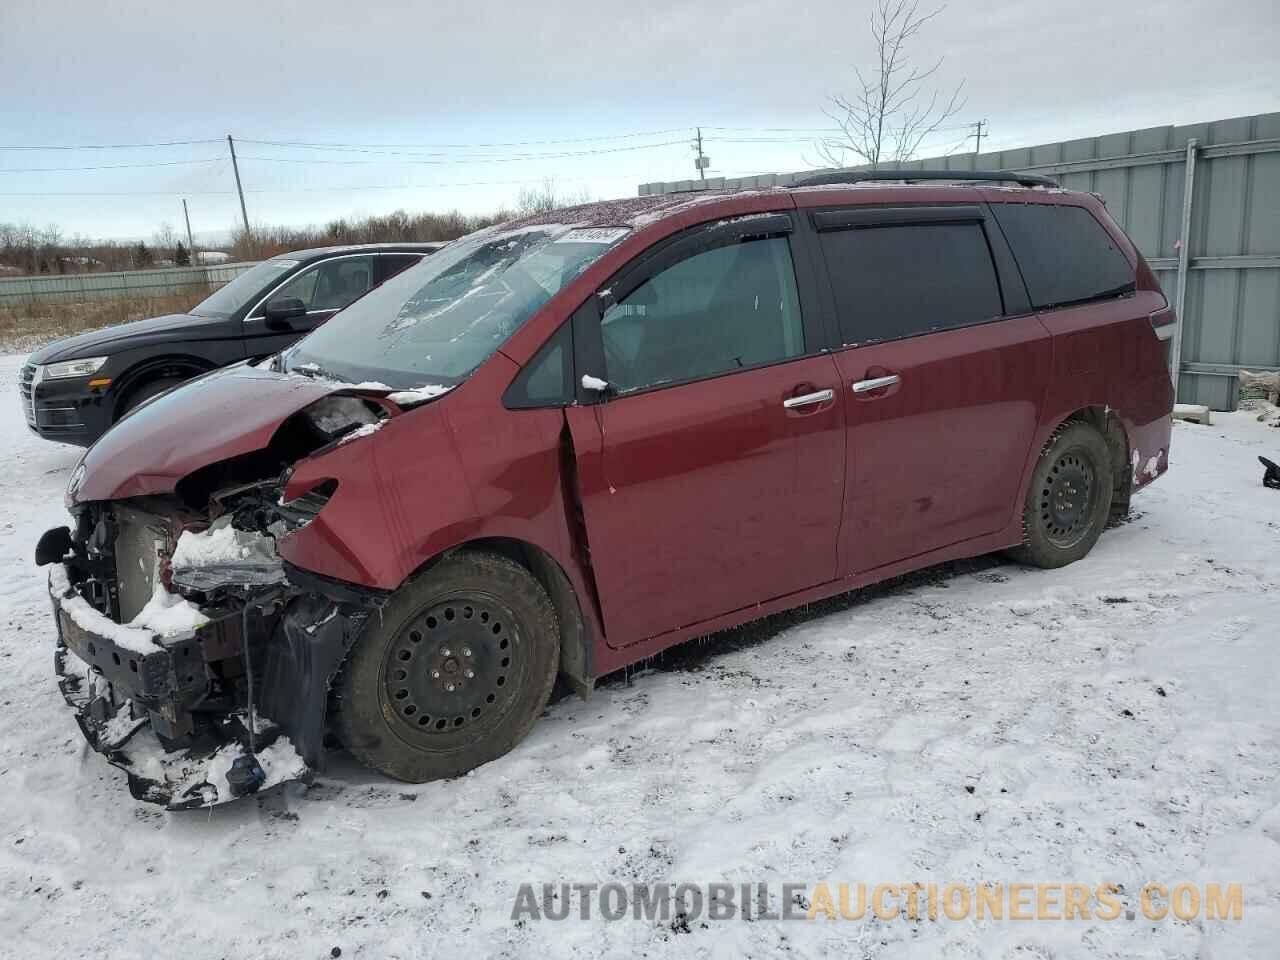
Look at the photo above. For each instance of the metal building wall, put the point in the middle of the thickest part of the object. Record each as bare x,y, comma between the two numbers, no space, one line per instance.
1231,305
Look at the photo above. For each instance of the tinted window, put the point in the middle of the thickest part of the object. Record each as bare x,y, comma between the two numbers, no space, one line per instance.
724,309
392,263
901,281
1064,253
331,285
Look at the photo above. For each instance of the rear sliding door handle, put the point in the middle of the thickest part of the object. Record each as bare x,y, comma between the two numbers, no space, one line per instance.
809,399
876,383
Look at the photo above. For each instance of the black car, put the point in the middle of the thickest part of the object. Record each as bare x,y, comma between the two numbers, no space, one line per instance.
72,390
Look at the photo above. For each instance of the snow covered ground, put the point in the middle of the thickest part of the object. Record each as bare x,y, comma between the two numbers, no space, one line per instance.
1115,721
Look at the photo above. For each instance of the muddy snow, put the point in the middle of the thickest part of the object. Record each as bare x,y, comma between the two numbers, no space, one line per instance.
1112,722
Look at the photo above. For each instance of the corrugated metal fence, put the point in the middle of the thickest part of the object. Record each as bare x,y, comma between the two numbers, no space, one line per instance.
1216,246
127,283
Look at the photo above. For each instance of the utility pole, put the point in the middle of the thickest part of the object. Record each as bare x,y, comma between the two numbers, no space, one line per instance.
239,189
977,149
191,246
703,160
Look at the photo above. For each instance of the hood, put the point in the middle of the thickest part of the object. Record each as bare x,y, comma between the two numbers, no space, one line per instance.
223,414
125,336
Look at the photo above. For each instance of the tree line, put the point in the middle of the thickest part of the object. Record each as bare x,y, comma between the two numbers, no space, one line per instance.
25,249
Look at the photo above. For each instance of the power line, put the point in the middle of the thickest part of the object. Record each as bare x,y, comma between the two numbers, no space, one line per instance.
104,146
515,158
317,145
338,189
114,166
458,146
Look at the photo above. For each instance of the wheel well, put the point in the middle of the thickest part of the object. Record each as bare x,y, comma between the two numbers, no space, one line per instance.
1105,421
575,632
152,370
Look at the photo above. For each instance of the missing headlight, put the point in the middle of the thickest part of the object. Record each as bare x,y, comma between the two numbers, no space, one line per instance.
336,416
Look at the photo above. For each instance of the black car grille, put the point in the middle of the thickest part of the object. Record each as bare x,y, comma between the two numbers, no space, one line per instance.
27,393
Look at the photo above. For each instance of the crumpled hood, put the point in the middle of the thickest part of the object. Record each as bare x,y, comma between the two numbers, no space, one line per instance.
223,414
123,336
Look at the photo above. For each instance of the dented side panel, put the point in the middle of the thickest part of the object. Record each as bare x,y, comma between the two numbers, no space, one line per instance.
401,498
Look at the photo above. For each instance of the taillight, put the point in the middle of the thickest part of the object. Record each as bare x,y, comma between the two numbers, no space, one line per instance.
1164,322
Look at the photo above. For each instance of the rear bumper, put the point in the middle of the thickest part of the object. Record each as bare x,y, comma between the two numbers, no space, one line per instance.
136,706
1149,451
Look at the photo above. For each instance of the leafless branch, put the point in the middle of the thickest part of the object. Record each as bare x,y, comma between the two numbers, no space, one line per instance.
889,112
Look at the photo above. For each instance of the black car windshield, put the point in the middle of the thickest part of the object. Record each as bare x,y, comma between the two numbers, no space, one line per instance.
226,300
433,324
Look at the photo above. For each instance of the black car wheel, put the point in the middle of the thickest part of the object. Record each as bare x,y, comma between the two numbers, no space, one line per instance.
1069,499
454,672
152,388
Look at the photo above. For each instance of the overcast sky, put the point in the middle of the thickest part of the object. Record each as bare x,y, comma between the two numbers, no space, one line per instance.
444,78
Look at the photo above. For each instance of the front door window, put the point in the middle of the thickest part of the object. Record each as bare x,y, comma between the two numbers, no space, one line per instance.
330,285
727,308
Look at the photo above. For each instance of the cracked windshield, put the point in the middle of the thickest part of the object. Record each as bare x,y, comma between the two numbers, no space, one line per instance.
435,323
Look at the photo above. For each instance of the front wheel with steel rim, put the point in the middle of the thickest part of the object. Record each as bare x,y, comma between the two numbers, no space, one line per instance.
454,673
1069,499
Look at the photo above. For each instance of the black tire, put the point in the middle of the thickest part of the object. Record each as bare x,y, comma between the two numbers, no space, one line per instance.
476,623
144,392
1069,500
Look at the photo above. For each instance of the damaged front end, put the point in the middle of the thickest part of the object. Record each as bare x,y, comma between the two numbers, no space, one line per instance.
196,659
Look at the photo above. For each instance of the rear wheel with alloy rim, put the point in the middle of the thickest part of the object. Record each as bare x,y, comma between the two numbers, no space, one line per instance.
1069,499
454,673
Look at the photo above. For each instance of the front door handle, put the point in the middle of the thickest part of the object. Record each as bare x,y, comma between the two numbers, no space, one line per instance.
809,399
876,383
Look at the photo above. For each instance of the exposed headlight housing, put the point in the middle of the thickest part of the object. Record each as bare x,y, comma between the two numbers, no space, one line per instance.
74,368
73,485
335,416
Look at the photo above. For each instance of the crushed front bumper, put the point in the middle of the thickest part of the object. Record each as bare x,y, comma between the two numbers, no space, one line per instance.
174,718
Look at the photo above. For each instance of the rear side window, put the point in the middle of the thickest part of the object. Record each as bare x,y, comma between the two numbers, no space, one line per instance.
389,264
1064,253
723,309
896,281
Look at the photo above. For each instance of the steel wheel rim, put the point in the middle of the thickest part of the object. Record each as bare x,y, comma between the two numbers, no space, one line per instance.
453,666
1067,499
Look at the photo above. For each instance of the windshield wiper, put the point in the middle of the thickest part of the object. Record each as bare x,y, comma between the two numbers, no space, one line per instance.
315,371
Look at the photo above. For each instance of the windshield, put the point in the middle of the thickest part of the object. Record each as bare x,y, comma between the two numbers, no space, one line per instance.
228,299
436,322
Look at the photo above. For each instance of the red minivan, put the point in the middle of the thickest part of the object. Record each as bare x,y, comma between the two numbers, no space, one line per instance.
565,443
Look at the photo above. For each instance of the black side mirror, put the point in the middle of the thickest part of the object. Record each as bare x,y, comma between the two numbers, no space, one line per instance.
281,310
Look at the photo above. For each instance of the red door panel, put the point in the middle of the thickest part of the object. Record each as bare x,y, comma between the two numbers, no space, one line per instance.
709,497
936,456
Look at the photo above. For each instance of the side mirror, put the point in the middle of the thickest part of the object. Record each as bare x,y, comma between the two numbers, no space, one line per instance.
280,311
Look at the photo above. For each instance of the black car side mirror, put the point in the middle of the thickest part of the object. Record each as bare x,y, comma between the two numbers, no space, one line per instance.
280,311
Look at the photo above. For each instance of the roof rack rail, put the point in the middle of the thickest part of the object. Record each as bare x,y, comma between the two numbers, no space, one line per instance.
912,176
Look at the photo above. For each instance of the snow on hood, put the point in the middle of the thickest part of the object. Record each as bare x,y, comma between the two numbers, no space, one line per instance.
418,394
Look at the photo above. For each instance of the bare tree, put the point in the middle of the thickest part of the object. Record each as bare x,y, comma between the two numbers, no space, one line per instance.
547,197
165,238
890,112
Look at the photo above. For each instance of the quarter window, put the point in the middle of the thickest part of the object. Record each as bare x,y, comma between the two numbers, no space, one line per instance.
726,308
896,281
1064,254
